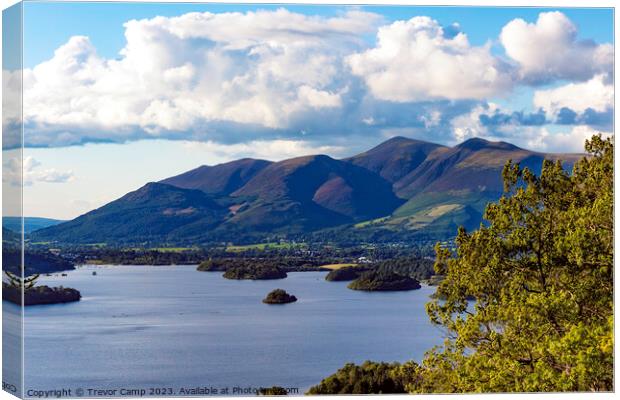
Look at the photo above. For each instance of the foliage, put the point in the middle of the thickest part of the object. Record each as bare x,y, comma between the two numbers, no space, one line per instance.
18,282
141,256
285,264
383,281
345,274
368,378
542,275
414,267
35,261
272,391
255,272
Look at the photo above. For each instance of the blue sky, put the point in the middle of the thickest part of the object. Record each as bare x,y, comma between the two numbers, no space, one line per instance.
48,25
109,106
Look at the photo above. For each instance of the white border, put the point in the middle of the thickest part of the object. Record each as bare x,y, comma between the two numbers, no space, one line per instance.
482,3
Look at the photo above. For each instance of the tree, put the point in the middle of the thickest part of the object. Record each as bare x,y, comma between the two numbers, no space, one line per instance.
21,283
541,271
368,378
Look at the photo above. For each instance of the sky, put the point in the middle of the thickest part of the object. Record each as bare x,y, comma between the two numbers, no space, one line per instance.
120,94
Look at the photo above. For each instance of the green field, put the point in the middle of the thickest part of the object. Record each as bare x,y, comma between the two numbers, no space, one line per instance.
165,249
371,222
425,217
174,249
262,246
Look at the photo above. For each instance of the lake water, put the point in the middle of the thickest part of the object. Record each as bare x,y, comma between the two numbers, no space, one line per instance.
142,327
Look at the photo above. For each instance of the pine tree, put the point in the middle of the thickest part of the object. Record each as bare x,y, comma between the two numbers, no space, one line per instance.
541,271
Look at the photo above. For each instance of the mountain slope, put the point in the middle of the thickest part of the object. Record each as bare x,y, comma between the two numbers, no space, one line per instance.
221,179
452,186
468,174
474,165
333,184
318,191
153,212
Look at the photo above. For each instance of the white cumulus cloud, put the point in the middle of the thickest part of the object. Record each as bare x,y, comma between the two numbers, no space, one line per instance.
571,141
273,150
416,60
549,49
593,94
259,76
26,172
179,74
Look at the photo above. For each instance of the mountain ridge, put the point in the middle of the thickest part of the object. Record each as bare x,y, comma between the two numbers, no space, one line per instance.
400,185
221,179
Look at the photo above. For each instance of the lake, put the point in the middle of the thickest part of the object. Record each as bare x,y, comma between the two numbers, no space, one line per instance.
141,327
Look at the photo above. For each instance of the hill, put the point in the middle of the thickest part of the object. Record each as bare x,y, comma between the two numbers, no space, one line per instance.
155,212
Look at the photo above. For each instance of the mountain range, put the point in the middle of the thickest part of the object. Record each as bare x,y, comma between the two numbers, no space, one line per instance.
400,186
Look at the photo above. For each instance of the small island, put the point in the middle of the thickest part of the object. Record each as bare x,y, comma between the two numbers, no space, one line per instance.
344,274
35,295
255,273
211,265
384,281
279,296
39,295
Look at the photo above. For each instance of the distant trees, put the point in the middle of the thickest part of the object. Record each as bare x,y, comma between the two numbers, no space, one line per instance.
142,256
255,272
368,378
345,274
285,264
542,274
35,261
413,266
383,281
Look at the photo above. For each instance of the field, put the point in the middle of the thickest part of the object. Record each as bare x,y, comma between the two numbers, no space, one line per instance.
262,246
337,266
376,221
174,249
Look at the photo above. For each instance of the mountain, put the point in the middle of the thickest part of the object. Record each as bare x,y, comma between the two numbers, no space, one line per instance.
313,192
30,223
221,179
400,188
474,165
459,182
395,158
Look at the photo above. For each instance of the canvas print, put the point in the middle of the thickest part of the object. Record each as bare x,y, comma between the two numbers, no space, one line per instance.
297,199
